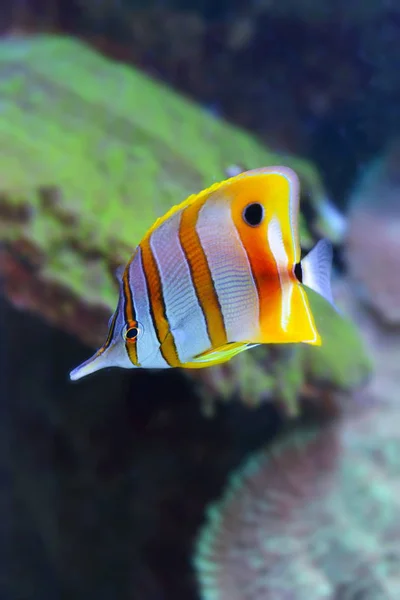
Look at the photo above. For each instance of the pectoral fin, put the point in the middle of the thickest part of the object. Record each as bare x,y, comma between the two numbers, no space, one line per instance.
218,355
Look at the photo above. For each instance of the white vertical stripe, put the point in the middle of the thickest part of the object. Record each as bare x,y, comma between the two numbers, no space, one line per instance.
148,347
183,311
230,269
294,193
278,250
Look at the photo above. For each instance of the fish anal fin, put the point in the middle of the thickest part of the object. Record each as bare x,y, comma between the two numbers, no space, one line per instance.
218,356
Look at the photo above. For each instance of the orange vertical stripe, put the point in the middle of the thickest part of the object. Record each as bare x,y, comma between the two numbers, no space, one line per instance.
130,316
201,275
157,306
266,279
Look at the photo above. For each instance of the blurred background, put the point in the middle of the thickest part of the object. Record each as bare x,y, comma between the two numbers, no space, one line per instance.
275,476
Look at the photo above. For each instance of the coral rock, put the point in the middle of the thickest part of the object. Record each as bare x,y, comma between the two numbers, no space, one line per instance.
315,516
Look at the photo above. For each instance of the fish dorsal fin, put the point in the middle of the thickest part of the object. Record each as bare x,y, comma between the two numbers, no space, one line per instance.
189,200
218,355
200,196
119,271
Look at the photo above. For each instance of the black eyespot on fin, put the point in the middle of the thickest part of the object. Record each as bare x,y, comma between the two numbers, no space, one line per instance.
298,271
253,214
132,333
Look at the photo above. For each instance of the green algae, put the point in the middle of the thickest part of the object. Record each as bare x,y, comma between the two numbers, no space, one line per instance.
342,357
120,147
341,362
94,151
283,372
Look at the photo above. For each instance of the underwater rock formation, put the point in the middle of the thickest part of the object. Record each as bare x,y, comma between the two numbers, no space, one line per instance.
373,235
238,61
95,152
314,516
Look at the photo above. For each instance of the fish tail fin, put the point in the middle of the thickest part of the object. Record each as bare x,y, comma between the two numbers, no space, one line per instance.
317,270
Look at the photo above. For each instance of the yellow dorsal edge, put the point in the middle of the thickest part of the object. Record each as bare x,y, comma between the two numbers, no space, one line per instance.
191,200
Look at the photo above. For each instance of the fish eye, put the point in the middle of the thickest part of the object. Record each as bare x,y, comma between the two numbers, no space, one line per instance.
131,332
253,214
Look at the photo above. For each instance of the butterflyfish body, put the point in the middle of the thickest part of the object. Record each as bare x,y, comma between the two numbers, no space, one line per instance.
216,275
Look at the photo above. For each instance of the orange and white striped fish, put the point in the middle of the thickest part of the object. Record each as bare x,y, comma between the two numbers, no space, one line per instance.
218,274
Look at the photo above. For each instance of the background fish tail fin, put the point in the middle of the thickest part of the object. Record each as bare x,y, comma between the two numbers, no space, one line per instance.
317,270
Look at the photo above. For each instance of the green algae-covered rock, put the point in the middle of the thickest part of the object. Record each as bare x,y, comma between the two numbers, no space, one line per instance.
92,152
286,372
